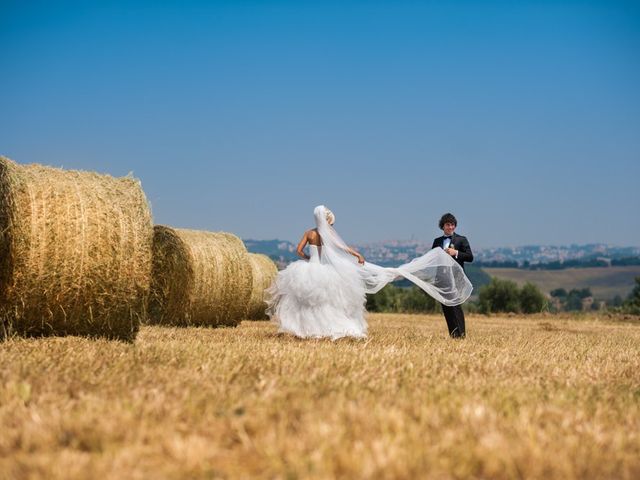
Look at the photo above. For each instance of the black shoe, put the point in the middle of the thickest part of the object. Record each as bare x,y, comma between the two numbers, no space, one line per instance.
455,333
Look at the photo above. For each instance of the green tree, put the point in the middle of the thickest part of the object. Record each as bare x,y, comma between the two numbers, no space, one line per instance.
615,302
558,292
381,301
415,300
532,299
574,298
386,300
573,302
394,299
585,292
499,296
632,303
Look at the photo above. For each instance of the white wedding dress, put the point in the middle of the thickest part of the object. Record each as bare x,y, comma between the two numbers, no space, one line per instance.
326,295
310,299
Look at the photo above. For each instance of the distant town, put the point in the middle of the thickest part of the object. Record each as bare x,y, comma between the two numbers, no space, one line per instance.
395,252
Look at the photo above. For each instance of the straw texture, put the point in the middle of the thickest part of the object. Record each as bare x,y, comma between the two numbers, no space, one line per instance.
199,278
75,252
263,271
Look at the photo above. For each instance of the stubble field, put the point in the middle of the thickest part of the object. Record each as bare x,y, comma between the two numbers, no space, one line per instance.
538,397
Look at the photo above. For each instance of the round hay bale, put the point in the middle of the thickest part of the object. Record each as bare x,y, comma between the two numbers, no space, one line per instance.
263,271
75,252
199,278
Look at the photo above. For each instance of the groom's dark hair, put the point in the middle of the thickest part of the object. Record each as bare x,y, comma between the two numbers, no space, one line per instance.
447,218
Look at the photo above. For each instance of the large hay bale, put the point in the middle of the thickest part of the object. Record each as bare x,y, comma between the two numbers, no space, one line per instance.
75,252
263,271
199,278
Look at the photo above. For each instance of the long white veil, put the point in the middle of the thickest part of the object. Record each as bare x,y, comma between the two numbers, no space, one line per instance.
434,272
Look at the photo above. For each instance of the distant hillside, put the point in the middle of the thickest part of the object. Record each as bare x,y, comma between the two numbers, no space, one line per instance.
396,252
605,283
280,251
557,256
477,276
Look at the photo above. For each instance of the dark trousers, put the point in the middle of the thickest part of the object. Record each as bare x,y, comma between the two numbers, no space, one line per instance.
455,320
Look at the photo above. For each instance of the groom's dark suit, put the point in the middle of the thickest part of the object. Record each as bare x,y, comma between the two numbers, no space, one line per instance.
455,315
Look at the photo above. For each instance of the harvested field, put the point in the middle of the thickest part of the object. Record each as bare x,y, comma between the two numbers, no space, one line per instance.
521,397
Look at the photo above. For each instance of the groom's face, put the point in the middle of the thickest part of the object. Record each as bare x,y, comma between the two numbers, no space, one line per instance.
449,228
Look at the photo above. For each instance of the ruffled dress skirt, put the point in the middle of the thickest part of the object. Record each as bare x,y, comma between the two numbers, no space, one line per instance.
310,299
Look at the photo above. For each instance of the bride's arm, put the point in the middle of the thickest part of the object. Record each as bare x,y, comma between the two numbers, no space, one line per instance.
356,254
301,245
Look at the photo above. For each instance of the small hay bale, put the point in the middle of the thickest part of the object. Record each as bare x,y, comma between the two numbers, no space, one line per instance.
263,271
75,252
199,278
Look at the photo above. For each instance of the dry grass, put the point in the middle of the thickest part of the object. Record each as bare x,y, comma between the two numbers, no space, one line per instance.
199,278
75,252
520,397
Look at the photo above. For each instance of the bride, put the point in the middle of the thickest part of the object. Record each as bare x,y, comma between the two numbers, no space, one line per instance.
324,295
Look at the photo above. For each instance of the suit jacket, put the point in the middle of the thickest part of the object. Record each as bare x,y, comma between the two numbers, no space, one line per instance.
461,244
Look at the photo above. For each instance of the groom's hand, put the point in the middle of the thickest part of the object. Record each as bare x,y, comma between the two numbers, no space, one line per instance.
452,251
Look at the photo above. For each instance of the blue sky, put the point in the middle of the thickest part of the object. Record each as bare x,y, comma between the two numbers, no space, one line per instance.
522,118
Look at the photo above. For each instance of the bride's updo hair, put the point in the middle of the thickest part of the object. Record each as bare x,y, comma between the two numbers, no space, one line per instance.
331,218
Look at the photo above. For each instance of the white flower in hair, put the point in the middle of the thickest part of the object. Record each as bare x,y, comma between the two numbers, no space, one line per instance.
331,218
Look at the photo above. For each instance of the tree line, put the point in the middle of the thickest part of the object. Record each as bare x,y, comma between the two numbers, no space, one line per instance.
500,296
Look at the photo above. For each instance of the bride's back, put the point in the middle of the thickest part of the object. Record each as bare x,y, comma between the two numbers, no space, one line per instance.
313,237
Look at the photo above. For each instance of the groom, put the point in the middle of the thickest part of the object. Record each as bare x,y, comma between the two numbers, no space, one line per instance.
458,247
